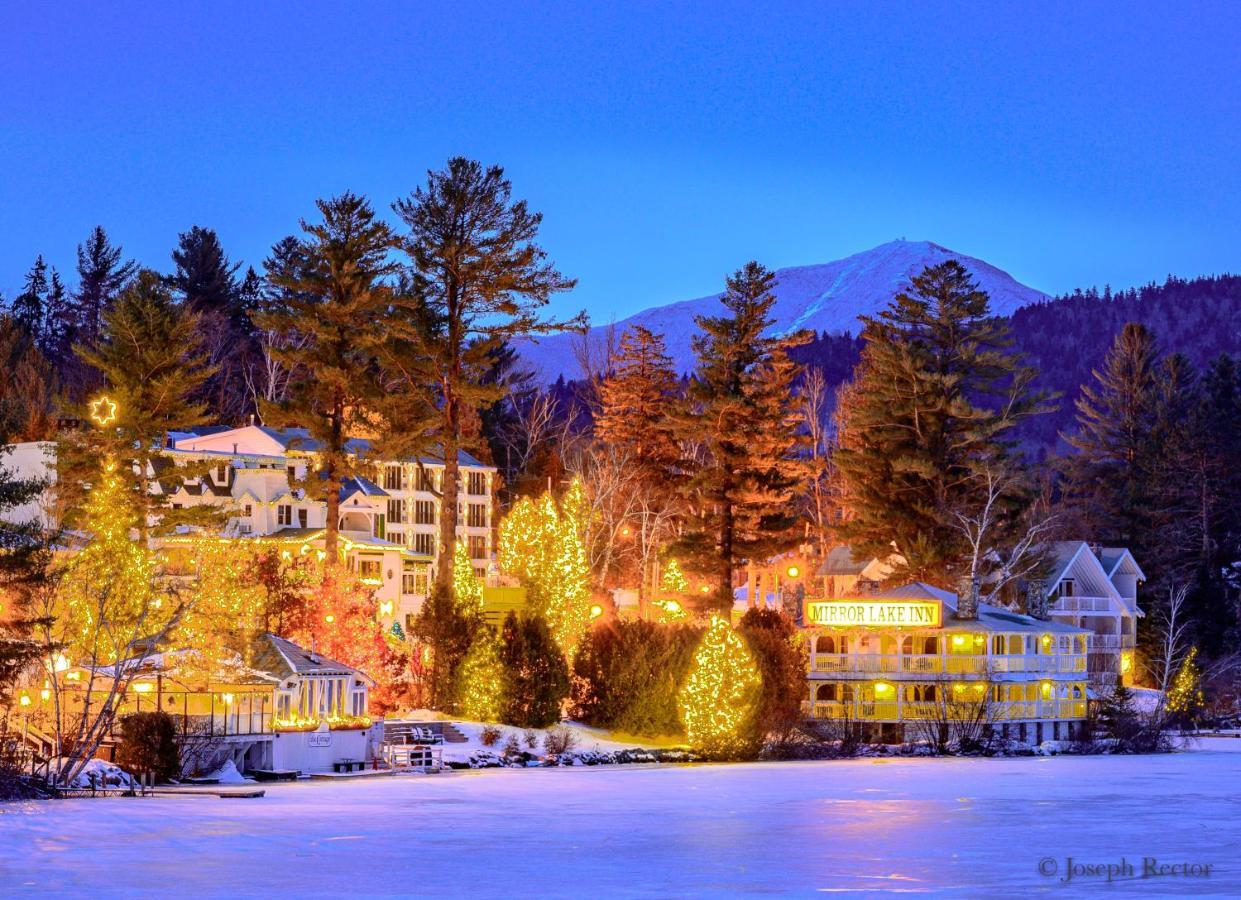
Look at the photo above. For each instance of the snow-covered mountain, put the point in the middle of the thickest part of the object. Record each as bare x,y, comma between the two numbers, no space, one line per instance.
825,298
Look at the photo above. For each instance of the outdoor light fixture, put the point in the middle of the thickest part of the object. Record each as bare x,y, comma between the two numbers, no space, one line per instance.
792,571
142,687
596,611
103,411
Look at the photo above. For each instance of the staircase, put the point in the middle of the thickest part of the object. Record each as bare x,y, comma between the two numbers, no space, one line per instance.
452,734
399,731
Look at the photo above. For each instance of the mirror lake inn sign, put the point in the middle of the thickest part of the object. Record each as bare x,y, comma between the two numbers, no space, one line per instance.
876,613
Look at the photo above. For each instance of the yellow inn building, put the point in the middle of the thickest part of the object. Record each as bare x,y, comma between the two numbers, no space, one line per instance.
907,664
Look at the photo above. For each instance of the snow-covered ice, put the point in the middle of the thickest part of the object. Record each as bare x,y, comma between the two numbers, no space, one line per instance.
954,827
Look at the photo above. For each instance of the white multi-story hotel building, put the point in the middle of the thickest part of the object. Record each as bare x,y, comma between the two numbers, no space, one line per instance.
909,664
389,517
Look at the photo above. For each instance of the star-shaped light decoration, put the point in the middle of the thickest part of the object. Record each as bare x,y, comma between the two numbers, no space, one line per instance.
103,411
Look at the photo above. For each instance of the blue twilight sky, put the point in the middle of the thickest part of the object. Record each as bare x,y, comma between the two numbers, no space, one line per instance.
666,143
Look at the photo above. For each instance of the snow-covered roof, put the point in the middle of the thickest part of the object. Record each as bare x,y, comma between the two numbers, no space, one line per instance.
284,659
990,618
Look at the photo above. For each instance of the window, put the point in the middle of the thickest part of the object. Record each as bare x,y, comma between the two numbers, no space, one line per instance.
369,568
426,480
1068,588
292,473
424,512
397,537
284,705
424,544
357,706
379,529
478,546
396,511
477,484
248,510
407,583
480,574
301,517
221,473
284,514
393,478
477,516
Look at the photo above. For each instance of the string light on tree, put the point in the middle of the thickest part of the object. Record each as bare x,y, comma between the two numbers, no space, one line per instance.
1185,695
481,679
718,700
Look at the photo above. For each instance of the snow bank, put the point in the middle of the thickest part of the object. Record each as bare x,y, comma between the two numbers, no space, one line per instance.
228,774
105,774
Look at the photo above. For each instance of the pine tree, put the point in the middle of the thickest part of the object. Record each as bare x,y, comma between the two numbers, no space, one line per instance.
206,282
29,308
933,402
536,677
331,298
634,402
28,392
1113,439
101,277
150,357
446,629
741,486
57,323
481,280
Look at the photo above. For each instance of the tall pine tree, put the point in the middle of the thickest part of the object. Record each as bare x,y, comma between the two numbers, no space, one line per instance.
932,403
102,275
151,359
481,280
1115,417
740,486
29,308
331,300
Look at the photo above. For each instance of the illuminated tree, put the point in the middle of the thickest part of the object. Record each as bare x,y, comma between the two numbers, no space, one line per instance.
446,630
673,579
229,608
1185,696
467,589
719,699
542,545
106,612
480,688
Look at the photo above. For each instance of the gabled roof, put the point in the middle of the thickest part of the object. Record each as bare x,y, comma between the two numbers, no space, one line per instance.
356,484
840,561
990,618
284,659
1114,557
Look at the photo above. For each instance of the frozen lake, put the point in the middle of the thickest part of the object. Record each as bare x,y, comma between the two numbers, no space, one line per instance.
947,826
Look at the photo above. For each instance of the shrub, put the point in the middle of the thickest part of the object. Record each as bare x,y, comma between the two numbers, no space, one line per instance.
536,678
511,747
490,735
628,673
559,741
774,641
531,738
148,744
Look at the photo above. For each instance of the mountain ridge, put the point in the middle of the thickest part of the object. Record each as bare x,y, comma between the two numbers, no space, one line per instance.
823,297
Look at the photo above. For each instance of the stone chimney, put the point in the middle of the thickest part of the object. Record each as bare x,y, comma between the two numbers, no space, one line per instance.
1036,599
967,599
1096,549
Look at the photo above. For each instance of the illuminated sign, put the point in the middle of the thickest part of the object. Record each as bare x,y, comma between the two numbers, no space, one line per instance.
876,613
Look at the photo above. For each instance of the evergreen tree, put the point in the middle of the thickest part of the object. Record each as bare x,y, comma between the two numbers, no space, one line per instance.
331,298
101,277
635,399
933,402
203,276
741,486
206,281
1113,439
57,323
27,394
536,677
481,281
150,357
29,308
447,629
772,638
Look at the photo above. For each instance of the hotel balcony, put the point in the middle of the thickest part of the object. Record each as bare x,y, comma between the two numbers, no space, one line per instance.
949,664
897,711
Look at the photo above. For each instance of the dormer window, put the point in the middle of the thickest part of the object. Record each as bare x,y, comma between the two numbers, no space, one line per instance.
221,473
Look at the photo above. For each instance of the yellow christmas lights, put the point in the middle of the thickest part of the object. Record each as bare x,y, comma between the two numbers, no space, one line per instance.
482,680
103,411
718,698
